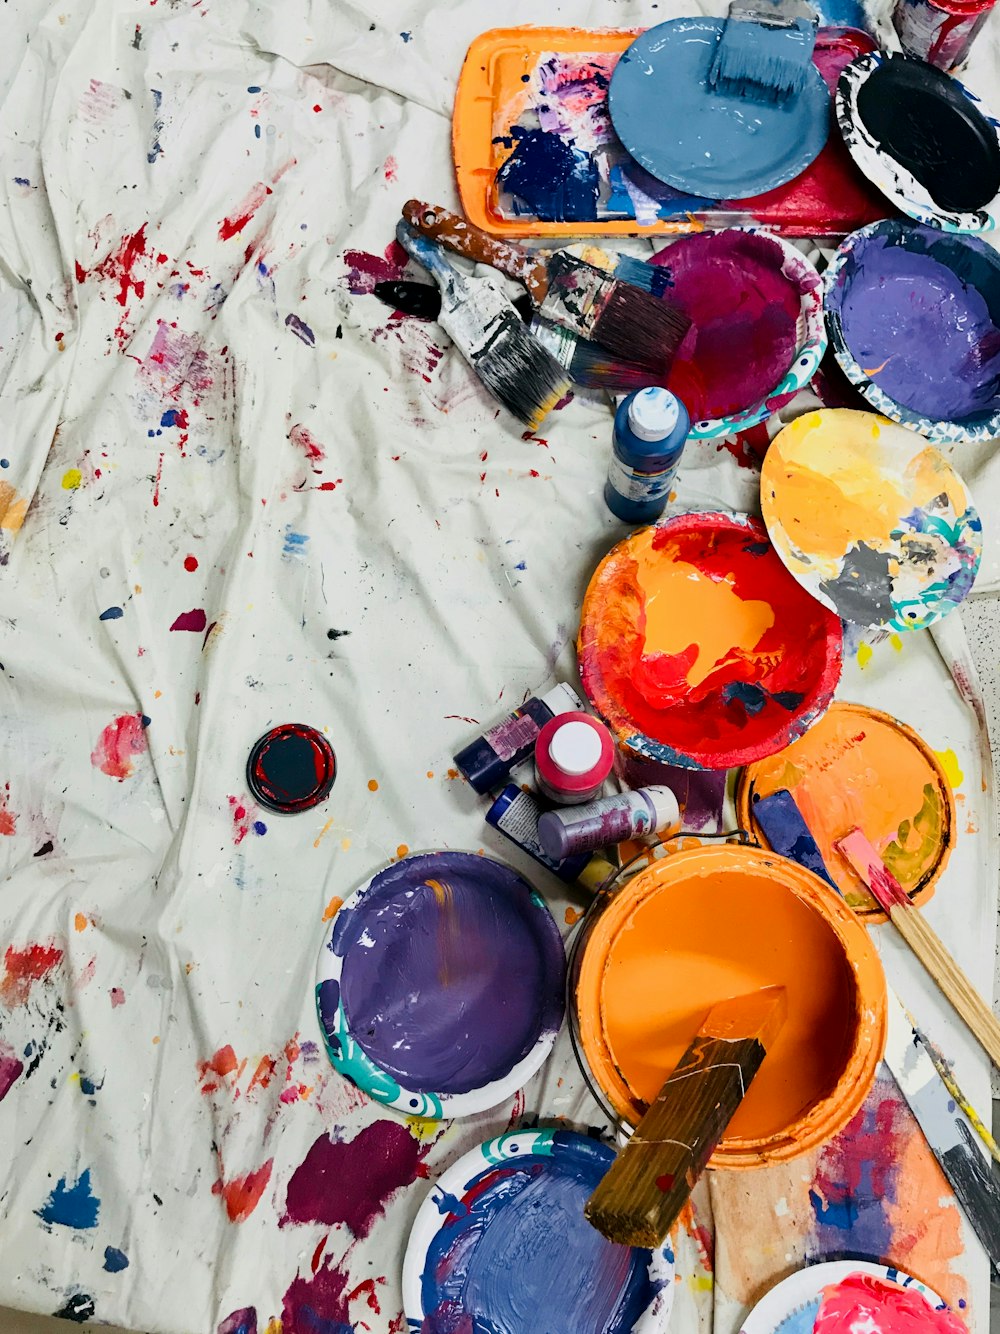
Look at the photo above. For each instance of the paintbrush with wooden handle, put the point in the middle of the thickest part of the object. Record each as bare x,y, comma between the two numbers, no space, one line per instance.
638,1200
923,940
568,291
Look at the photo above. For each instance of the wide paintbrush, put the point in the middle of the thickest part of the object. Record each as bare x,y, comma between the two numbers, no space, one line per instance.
649,1182
630,322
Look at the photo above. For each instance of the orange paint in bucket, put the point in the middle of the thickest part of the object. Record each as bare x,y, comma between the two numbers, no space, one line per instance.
719,921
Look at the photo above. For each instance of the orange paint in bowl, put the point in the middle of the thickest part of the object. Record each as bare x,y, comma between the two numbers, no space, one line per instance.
713,922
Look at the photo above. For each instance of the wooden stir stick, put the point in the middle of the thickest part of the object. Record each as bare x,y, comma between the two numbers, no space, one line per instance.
640,1196
923,941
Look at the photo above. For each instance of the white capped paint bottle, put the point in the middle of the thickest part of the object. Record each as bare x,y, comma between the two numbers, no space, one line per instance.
651,427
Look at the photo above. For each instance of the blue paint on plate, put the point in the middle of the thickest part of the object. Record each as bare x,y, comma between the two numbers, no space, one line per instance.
702,141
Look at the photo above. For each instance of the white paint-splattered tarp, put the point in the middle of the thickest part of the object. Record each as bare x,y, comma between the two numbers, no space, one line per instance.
234,494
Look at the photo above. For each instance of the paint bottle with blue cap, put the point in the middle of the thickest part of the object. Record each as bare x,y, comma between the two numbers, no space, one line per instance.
651,428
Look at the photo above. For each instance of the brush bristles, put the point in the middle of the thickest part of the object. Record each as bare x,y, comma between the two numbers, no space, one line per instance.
640,328
595,368
762,56
522,375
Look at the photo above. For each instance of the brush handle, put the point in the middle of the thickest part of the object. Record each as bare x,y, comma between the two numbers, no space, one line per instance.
453,231
431,257
969,1005
644,1190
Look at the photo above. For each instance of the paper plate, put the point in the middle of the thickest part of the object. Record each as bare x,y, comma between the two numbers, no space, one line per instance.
924,139
793,1305
868,517
697,648
440,984
502,1241
861,768
742,288
704,142
914,320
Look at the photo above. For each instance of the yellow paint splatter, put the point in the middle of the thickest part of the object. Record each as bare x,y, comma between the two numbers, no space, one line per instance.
332,908
12,510
156,1040
80,921
373,785
422,1130
71,479
700,1282
402,850
896,643
950,765
864,655
345,843
572,916
325,830
274,1327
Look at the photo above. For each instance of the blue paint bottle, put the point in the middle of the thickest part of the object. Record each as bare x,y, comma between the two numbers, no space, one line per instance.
651,426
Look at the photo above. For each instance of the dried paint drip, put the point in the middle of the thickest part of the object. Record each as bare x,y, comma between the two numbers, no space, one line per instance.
503,1245
708,923
734,287
291,768
442,978
914,319
860,768
698,649
870,519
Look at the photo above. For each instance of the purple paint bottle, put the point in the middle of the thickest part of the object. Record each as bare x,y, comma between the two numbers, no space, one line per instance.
579,829
516,814
651,428
487,761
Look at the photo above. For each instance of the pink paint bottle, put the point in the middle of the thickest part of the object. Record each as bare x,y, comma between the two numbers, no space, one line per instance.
574,754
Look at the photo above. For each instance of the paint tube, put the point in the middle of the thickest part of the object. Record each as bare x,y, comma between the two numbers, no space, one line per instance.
516,814
487,761
651,428
576,829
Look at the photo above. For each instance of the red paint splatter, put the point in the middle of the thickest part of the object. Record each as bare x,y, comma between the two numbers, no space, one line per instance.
318,1305
235,222
242,1194
11,1068
119,267
23,968
351,1182
317,107
318,1254
304,439
665,1182
740,450
366,1289
81,272
390,169
190,563
263,1074
195,620
366,270
117,997
177,361
8,820
118,745
223,1063
156,487
517,1111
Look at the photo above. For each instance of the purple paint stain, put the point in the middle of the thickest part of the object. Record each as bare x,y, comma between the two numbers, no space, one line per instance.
243,1321
521,1255
115,1260
318,1305
351,1182
744,309
918,312
459,975
191,620
11,1068
700,793
71,1205
300,329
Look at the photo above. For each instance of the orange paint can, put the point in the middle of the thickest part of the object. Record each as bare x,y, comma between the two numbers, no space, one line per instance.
712,922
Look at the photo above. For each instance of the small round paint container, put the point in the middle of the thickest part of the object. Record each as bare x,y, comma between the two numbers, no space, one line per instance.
914,320
574,755
501,1243
440,984
940,31
291,768
706,923
862,768
699,649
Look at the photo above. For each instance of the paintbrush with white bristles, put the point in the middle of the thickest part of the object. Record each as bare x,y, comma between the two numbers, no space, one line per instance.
490,334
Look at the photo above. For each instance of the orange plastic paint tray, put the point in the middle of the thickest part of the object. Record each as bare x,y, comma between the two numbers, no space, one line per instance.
498,91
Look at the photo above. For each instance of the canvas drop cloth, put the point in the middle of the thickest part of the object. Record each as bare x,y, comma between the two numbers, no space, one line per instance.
235,493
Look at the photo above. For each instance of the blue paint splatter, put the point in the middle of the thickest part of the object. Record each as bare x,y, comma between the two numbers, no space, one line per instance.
300,329
21,180
71,1206
256,130
243,1321
169,418
253,88
112,614
114,1260
521,565
295,544
88,1086
549,178
449,1204
155,148
4,463
259,827
406,36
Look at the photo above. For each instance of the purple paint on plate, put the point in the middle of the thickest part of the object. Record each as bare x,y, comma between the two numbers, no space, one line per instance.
918,312
745,311
452,971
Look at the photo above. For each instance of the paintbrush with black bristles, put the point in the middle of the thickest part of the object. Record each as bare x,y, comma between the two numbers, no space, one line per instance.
490,334
629,322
